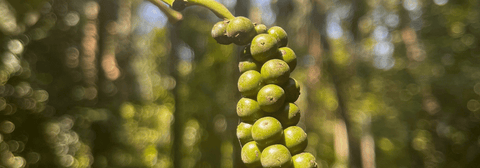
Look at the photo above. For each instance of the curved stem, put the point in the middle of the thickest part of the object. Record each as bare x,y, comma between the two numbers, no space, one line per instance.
173,16
169,2
217,8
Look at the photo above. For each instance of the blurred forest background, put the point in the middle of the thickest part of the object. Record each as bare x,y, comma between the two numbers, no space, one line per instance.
112,84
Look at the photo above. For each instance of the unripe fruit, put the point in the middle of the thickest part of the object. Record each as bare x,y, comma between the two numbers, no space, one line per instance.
263,47
251,154
276,156
288,116
275,71
241,30
267,131
304,160
249,83
219,33
271,98
249,110
260,28
280,35
292,90
247,62
244,133
289,57
295,139
179,5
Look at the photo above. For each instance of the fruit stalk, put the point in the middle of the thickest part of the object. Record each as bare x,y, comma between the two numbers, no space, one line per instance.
217,8
172,15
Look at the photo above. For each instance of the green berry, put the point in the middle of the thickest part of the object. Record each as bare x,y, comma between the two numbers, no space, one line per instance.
276,156
260,28
280,35
247,62
244,133
249,83
251,154
271,98
219,33
289,115
295,139
267,131
179,5
292,90
275,71
263,47
249,110
289,57
304,160
241,30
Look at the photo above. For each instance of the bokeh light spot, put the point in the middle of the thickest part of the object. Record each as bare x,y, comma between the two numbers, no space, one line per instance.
458,28
384,62
410,4
473,105
383,48
91,9
392,20
220,123
3,104
15,46
385,144
66,160
32,157
13,145
380,33
334,30
72,18
41,95
440,2
185,52
127,111
415,14
72,57
19,162
7,127
11,62
31,18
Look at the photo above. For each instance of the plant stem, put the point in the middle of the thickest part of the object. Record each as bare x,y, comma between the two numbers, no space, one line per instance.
173,16
169,2
217,8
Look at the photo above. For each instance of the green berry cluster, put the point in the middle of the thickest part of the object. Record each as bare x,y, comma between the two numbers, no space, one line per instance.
268,132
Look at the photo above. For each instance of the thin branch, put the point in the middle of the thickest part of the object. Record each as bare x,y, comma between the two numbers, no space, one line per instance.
169,2
216,7
173,16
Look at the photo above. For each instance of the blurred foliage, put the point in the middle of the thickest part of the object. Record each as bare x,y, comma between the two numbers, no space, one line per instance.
385,83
